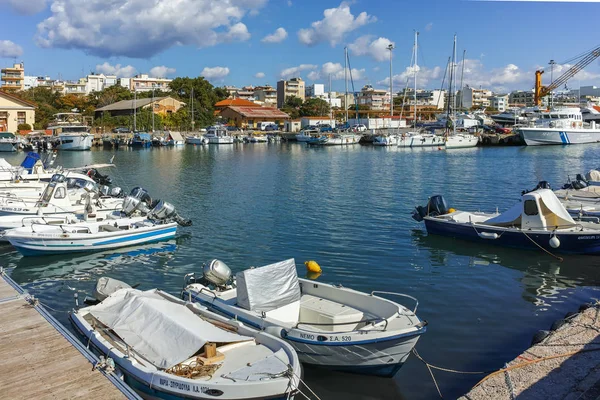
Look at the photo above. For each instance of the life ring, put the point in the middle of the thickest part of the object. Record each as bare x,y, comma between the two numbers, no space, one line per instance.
574,124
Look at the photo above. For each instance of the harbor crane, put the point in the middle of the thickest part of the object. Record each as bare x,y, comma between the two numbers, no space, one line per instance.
542,91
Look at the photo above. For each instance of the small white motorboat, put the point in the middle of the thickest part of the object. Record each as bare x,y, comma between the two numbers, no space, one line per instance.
328,326
160,223
167,348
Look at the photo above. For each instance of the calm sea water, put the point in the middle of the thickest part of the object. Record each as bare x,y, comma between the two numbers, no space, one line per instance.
348,209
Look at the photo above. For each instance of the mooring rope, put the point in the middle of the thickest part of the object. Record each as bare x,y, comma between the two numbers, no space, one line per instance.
538,245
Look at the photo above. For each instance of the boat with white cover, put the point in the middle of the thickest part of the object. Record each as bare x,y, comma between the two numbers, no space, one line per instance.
562,125
538,221
335,139
9,142
212,357
218,135
120,230
328,326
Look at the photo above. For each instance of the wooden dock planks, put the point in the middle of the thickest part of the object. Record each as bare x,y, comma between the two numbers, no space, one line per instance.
36,361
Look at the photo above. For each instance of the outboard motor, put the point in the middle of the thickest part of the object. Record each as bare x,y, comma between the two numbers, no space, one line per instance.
116,192
132,204
435,206
540,185
141,194
163,211
217,273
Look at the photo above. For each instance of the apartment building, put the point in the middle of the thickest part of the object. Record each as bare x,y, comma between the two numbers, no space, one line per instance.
316,90
521,98
13,78
266,95
143,83
375,99
429,98
292,87
78,88
471,97
245,93
499,102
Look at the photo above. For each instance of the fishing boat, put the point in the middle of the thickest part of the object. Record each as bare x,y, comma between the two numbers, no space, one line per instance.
218,135
175,139
123,229
328,326
335,139
9,142
141,140
538,221
306,135
562,125
70,131
167,348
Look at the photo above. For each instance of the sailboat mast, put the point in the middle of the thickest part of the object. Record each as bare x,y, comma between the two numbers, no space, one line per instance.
330,108
462,75
416,72
192,101
346,81
134,109
454,97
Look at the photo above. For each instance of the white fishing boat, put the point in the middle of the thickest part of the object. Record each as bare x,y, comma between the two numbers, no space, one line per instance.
9,142
196,140
335,139
254,138
167,348
71,132
328,326
307,134
121,230
218,135
560,126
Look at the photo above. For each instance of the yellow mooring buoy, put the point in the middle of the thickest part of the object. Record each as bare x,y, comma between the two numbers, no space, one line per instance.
312,266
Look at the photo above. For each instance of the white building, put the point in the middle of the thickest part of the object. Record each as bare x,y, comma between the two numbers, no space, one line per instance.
499,102
378,123
94,83
475,98
334,102
266,94
315,90
375,99
433,98
306,121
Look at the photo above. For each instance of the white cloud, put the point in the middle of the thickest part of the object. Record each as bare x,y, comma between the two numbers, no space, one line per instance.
289,3
295,71
141,28
559,69
120,71
26,7
9,49
161,71
336,70
428,26
215,73
377,49
278,36
424,77
259,75
337,22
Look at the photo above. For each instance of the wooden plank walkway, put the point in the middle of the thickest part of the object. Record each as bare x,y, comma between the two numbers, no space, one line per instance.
38,362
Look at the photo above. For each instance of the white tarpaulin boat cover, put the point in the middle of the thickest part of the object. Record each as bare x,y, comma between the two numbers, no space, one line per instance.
593,175
269,287
552,210
163,332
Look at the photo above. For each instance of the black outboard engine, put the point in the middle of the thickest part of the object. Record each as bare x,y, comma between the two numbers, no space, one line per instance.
98,177
540,185
579,183
435,206
142,195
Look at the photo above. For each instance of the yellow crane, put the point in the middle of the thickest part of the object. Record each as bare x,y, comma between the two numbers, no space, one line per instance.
542,91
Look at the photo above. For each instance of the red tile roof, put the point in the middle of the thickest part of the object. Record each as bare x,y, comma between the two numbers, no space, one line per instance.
260,112
236,102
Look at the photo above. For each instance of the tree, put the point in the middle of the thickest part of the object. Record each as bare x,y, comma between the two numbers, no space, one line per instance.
292,106
204,99
314,108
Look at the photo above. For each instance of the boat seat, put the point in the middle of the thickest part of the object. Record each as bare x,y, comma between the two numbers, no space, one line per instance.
334,316
287,314
108,228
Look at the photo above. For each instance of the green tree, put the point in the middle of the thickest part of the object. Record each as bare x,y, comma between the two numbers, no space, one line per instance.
205,95
314,108
292,106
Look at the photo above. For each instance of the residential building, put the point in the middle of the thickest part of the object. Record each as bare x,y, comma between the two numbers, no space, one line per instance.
251,117
95,83
292,87
470,98
346,100
30,82
15,111
432,98
292,125
521,98
316,90
232,90
266,94
13,78
246,93
373,98
159,105
78,88
143,83
223,104
334,102
377,123
499,102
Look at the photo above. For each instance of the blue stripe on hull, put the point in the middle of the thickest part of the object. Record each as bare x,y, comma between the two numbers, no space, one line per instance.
569,244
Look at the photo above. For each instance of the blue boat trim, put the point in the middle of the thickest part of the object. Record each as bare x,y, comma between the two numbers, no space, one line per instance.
136,237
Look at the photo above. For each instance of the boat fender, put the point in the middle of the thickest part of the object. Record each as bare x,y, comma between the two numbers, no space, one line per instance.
276,331
554,242
488,235
451,210
312,266
558,324
539,337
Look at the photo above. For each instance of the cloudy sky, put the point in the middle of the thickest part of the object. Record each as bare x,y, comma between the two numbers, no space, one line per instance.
241,42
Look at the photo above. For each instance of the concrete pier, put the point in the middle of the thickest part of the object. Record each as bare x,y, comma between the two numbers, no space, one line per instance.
565,365
40,359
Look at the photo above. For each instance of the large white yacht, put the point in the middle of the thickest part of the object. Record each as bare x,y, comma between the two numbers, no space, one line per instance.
560,126
71,132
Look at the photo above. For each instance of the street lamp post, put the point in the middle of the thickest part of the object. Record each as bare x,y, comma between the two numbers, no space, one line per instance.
390,48
551,81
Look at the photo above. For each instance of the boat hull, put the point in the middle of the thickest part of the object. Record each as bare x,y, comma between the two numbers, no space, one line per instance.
547,136
8,147
61,244
79,142
570,242
461,141
420,141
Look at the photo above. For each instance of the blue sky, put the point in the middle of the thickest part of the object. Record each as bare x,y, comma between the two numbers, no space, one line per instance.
225,40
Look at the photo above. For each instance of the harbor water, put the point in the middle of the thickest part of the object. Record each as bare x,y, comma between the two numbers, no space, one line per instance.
349,209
